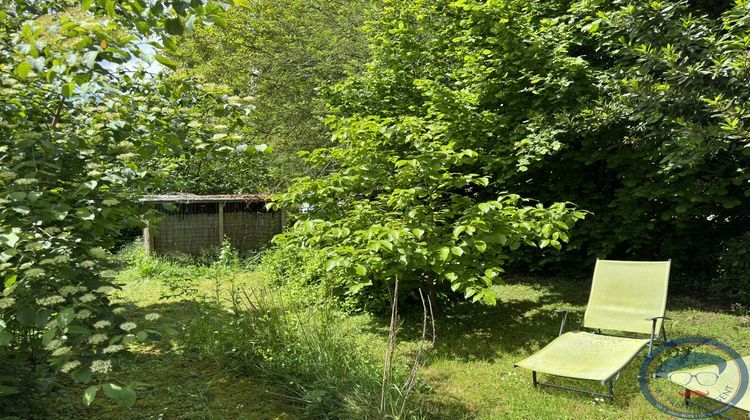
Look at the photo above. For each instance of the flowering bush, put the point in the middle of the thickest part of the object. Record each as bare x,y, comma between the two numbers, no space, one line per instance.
80,119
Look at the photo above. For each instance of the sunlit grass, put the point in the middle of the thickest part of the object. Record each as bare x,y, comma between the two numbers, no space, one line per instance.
470,369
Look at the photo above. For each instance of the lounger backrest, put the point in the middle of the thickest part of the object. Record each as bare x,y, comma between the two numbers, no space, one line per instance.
625,293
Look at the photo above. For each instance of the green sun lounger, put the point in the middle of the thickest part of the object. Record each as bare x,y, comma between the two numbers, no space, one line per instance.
626,297
712,385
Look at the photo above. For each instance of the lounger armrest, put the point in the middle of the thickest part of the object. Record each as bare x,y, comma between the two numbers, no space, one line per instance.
564,311
653,320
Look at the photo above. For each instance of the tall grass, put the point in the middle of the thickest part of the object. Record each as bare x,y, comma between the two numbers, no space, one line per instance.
309,357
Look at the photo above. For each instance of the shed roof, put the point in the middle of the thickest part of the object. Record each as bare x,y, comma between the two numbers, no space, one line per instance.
216,198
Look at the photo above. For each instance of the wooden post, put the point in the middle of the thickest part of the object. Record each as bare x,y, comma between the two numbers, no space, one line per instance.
221,223
148,239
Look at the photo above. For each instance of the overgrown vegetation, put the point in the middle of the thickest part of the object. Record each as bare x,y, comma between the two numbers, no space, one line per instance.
76,121
464,138
206,371
634,111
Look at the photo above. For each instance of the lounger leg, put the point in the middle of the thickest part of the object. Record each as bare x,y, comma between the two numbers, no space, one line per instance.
687,397
611,390
533,378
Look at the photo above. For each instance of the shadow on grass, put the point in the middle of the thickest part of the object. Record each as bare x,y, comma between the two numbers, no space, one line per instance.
172,382
489,339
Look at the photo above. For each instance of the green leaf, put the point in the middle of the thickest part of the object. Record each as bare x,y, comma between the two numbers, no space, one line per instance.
22,69
124,395
65,317
67,89
457,250
166,61
480,245
5,338
444,253
10,239
451,276
360,269
263,148
90,394
86,4
49,336
168,43
25,316
141,336
42,318
89,58
22,210
243,3
110,8
174,26
84,376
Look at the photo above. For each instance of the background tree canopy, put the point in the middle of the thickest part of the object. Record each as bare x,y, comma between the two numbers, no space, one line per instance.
284,55
634,111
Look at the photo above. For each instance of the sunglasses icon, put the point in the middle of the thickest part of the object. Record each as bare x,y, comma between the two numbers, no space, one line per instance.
703,378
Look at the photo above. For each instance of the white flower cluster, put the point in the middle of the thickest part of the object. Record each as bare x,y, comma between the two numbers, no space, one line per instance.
88,297
105,290
6,302
68,366
98,252
118,311
69,290
87,264
26,265
50,300
54,344
97,338
60,259
83,314
152,317
110,202
128,326
61,351
35,272
101,366
113,348
25,181
108,273
102,324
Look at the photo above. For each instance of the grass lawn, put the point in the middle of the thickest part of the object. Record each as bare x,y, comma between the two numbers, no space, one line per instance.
469,371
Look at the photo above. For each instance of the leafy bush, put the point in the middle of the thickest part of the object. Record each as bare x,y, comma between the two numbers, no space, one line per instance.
734,270
634,110
309,357
409,200
77,121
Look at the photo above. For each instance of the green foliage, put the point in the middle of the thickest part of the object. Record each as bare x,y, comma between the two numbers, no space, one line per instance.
410,200
635,111
77,117
734,269
283,54
310,357
303,275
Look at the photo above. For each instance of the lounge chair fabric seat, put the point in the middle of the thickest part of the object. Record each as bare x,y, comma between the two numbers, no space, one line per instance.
585,355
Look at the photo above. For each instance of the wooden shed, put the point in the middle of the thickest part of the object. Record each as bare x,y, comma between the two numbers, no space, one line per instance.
191,224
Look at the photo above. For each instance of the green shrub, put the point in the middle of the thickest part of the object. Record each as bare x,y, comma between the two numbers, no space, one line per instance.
734,270
310,357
